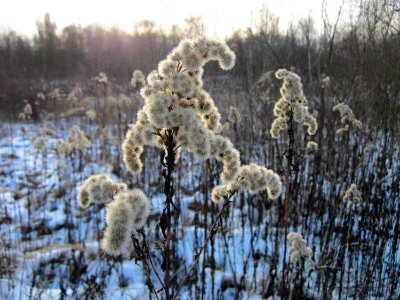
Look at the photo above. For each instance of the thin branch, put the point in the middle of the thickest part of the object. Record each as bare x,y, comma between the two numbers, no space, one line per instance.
149,255
144,266
198,255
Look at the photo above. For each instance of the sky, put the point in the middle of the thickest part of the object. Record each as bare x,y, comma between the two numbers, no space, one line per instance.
220,17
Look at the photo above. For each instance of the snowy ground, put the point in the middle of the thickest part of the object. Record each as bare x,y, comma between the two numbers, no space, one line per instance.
50,246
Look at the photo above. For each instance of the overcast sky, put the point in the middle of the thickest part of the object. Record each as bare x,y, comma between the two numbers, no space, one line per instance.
220,17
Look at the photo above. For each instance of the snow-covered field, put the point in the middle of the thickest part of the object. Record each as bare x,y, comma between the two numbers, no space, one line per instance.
50,246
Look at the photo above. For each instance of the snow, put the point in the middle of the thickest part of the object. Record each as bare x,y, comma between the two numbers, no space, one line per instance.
46,236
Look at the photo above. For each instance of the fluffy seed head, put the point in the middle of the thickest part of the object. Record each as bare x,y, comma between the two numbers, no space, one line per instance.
140,205
174,98
138,80
352,194
299,248
77,140
218,193
312,145
292,103
98,189
347,117
119,227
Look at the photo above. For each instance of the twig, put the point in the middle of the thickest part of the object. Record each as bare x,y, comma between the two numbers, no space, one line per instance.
145,268
151,261
198,255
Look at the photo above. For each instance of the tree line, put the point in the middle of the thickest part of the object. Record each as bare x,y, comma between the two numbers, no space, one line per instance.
357,55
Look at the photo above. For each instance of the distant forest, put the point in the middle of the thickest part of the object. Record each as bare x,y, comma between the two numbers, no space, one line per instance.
361,58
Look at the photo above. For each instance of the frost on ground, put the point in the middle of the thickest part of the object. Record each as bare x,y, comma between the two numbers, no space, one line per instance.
50,246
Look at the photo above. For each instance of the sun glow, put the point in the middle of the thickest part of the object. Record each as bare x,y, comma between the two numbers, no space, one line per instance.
221,18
